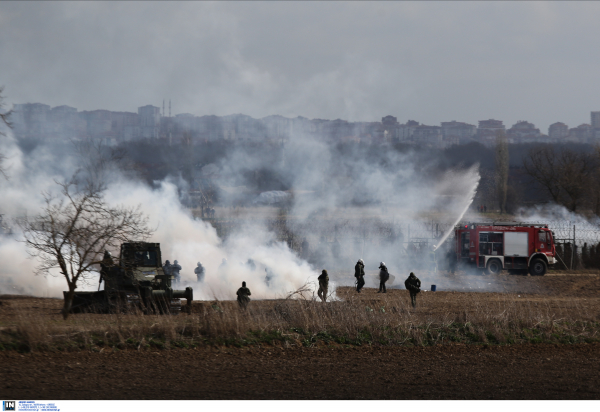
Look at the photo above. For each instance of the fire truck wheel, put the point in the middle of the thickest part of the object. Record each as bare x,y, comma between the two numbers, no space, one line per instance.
494,267
538,267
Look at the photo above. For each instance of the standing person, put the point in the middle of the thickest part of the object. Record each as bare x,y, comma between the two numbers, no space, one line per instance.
359,274
175,268
243,296
268,276
199,271
413,285
323,285
384,275
167,268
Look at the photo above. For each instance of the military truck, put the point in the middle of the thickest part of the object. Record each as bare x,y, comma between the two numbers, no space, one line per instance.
136,282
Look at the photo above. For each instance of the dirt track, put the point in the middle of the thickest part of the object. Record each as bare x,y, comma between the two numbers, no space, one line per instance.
526,371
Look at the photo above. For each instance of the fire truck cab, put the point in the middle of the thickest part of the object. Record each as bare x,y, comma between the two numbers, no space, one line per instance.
517,247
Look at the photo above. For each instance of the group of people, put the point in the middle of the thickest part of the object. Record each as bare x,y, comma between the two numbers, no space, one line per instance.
412,283
359,274
175,269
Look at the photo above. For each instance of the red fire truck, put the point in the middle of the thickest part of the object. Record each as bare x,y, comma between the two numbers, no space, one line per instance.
517,247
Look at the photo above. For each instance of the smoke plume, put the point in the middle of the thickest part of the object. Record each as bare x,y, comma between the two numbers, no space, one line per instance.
338,196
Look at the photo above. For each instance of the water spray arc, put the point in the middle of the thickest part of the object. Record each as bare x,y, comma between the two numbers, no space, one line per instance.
470,196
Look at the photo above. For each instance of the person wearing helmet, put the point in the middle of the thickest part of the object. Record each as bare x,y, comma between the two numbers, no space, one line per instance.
167,268
175,268
384,275
243,296
359,274
199,271
323,285
413,285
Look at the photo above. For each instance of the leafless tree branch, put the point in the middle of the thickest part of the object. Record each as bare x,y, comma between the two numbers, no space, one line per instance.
75,228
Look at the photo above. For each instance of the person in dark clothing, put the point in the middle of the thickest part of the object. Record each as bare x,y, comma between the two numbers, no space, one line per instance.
167,268
199,271
323,285
384,275
243,296
413,285
359,274
175,268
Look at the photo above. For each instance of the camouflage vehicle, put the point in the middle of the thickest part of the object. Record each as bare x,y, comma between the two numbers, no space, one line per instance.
137,281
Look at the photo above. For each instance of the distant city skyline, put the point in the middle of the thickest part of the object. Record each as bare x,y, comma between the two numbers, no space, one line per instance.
60,123
428,61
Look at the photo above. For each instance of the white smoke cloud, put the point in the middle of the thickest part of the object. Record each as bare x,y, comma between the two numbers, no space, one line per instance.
182,237
364,189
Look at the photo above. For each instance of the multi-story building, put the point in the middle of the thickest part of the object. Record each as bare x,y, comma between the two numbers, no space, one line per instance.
488,130
595,120
149,121
522,132
595,123
558,131
406,131
580,134
391,128
428,135
30,119
458,132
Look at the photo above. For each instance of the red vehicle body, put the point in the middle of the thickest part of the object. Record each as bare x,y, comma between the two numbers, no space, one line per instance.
517,247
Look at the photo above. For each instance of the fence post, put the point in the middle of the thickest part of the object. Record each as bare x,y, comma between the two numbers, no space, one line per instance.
573,248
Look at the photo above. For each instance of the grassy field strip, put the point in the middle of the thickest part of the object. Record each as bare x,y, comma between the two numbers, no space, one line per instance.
440,318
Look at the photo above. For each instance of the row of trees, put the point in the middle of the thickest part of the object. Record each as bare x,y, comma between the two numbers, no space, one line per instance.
568,177
563,175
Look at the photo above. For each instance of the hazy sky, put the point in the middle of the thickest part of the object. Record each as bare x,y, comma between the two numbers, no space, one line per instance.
426,61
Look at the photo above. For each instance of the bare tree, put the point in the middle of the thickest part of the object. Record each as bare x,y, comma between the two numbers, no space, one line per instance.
502,163
565,175
75,228
4,118
97,160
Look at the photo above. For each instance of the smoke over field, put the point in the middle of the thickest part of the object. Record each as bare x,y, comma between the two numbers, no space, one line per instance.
349,193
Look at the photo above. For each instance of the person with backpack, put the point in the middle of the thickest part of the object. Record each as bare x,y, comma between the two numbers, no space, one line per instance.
359,274
413,285
243,296
384,275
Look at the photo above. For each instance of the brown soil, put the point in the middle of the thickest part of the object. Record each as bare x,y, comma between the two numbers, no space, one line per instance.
525,371
447,372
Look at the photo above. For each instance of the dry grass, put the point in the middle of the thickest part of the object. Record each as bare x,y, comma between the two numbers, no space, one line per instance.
440,318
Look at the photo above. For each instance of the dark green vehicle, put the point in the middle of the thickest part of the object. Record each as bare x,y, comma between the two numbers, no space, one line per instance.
136,282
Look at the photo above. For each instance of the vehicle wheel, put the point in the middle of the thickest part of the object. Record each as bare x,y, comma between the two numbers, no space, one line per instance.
538,267
494,267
